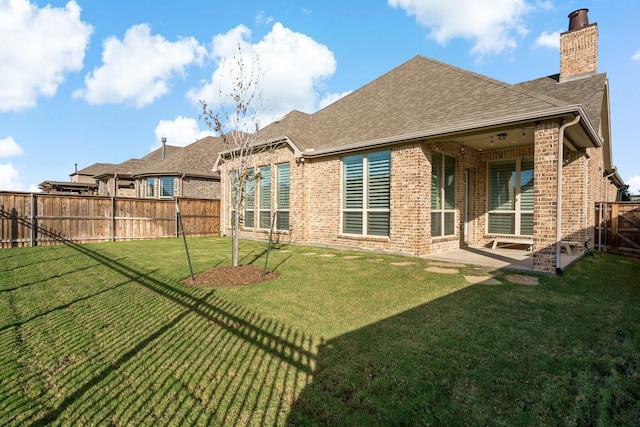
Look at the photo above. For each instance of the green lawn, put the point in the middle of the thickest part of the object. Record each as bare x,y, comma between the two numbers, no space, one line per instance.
105,334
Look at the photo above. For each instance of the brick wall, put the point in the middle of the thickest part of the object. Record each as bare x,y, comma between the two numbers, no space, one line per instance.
579,52
199,188
262,159
315,194
575,204
546,136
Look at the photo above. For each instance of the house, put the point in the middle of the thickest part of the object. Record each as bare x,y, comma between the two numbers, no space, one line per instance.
82,181
166,172
430,157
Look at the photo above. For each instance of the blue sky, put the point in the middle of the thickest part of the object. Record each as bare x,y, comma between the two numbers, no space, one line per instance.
90,81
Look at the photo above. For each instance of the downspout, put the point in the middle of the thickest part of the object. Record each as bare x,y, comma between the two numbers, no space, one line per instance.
559,199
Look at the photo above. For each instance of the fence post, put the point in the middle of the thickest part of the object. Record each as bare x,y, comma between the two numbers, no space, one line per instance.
113,219
33,220
176,218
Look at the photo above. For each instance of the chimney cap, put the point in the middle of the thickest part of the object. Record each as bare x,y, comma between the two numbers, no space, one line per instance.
578,19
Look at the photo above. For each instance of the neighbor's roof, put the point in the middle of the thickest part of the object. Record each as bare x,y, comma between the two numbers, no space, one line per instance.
95,169
195,159
423,97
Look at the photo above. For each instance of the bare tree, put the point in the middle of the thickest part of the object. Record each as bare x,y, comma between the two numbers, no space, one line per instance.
236,120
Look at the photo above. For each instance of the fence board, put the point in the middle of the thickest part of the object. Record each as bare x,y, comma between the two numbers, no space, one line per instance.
619,229
46,219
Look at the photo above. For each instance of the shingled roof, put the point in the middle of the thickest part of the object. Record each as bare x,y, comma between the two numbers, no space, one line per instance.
588,91
95,169
422,97
195,159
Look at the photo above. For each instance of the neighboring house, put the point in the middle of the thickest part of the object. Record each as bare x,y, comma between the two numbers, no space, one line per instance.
430,157
167,172
82,181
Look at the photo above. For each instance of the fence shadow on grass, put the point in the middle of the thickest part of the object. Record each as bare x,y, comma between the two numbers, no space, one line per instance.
191,357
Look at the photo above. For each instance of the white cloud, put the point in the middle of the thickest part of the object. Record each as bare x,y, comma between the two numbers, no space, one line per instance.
492,24
10,178
10,148
292,68
262,19
180,132
139,68
634,184
549,39
636,56
330,98
38,47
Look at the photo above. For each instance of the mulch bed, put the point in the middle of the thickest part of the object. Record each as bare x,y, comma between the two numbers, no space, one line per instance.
241,275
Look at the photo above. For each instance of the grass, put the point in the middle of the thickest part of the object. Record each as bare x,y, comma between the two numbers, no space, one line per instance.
106,334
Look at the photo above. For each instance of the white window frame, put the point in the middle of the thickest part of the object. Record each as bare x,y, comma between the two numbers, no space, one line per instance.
264,206
282,205
150,188
443,211
365,210
161,187
517,211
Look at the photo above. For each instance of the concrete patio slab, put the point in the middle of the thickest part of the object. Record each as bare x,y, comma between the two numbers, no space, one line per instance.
501,258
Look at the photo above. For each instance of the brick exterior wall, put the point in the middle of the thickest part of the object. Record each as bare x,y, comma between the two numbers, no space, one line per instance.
579,52
199,188
546,140
316,198
316,202
576,209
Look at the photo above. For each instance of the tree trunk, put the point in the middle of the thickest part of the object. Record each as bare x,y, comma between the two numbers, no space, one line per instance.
235,238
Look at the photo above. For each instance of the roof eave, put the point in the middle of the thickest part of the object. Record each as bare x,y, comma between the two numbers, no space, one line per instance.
556,112
264,143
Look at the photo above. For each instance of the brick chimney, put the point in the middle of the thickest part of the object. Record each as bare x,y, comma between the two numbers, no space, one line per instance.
579,47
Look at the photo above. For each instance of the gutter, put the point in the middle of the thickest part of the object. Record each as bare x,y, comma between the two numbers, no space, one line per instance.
559,194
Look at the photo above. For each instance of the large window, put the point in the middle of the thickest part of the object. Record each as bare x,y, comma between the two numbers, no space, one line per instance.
282,197
366,193
265,198
166,186
511,197
443,191
249,200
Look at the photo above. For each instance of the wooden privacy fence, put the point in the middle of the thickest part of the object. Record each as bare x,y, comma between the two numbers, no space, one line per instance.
30,219
618,227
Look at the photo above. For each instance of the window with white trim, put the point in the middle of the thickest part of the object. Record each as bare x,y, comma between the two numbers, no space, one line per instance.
511,197
149,188
282,196
249,200
443,195
166,186
366,195
233,183
265,198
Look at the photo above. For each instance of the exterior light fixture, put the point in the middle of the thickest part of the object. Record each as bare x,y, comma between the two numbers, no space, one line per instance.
502,136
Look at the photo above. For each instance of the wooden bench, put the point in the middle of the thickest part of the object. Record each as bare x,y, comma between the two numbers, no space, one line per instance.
567,246
525,241
513,241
